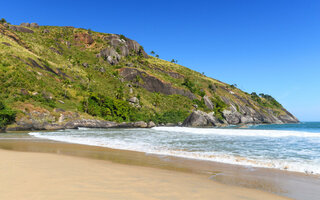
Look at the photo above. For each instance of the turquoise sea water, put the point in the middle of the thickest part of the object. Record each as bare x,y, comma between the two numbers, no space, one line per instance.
292,147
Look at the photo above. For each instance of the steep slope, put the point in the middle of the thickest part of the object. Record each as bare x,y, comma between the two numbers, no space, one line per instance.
56,75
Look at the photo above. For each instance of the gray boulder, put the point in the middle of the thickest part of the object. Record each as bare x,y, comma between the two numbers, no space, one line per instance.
140,124
86,65
25,24
151,124
232,117
110,55
134,100
199,118
102,70
120,47
34,25
208,102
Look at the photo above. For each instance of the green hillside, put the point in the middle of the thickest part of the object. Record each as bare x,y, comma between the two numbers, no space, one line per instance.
107,76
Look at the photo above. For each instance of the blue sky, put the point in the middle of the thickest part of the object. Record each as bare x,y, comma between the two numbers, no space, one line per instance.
265,46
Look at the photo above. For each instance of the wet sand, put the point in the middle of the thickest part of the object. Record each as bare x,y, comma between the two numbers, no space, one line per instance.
178,178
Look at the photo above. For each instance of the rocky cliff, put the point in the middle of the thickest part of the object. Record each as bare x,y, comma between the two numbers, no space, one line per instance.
108,80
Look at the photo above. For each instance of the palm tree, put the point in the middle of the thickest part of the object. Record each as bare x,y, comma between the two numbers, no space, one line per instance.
152,52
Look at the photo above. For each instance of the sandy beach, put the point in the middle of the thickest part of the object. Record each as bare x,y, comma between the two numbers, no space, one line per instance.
28,175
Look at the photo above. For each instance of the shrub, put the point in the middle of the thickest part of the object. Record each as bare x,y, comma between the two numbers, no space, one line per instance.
122,37
201,105
172,116
256,98
219,106
7,115
2,21
107,108
189,84
270,100
212,87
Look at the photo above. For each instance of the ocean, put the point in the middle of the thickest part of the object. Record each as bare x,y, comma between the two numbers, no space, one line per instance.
291,147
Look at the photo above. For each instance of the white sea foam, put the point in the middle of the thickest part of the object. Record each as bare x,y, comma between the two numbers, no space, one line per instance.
238,132
148,142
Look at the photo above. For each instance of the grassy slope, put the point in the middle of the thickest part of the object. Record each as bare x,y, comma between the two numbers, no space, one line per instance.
18,76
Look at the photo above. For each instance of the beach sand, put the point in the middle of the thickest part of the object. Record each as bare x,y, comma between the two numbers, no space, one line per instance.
29,175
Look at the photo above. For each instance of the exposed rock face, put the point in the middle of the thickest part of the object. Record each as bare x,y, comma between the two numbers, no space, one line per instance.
34,25
25,24
199,118
208,102
110,55
120,47
84,38
151,83
242,115
21,29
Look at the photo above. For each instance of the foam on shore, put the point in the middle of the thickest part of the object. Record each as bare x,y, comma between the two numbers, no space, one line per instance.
191,143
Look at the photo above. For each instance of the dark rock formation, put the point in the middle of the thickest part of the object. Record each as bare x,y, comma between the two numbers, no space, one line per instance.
30,124
89,123
7,44
199,118
151,83
55,50
21,29
208,102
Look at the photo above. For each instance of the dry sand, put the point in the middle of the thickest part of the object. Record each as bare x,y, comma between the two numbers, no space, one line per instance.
28,175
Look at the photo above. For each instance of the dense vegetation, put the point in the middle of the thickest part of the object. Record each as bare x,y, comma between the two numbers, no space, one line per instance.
7,115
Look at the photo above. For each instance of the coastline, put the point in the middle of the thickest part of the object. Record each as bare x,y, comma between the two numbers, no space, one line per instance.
268,180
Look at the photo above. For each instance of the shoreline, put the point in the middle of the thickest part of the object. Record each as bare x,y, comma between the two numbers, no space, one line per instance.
263,179
238,161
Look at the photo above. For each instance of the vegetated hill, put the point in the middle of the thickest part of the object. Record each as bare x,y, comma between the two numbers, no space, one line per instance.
53,75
